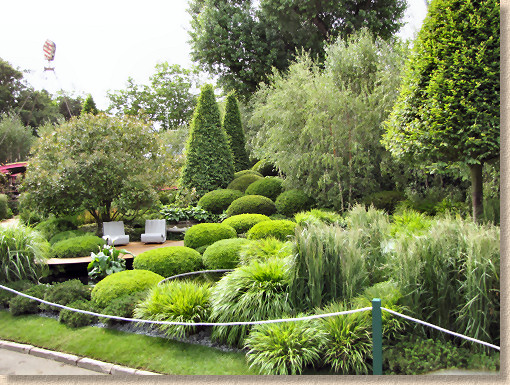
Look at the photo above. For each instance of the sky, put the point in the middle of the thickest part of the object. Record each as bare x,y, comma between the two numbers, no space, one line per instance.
101,43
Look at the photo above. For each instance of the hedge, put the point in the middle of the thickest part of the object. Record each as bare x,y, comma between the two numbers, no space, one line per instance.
252,204
168,261
205,234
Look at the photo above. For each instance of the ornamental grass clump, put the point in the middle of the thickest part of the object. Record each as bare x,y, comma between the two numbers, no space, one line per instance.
258,291
263,249
176,301
23,253
285,348
315,216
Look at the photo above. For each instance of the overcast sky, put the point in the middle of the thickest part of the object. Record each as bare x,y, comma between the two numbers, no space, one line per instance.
100,43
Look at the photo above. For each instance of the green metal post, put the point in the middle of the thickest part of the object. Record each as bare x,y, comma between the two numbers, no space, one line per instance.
377,336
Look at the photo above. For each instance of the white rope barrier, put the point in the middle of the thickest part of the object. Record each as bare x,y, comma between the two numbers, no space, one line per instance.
441,329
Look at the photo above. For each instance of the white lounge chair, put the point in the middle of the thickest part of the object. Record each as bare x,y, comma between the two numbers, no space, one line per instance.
113,233
155,231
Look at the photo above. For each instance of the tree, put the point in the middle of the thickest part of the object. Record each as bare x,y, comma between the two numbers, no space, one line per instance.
322,128
89,106
15,139
234,129
168,100
97,163
242,40
448,109
10,86
209,163
36,108
69,106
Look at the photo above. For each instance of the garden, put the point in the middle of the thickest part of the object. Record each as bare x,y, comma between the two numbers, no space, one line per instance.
334,183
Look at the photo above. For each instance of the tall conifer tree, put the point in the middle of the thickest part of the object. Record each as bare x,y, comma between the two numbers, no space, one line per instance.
234,129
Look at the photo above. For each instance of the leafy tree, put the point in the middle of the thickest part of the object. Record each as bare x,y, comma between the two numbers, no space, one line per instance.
15,139
322,128
10,86
242,40
94,162
168,100
37,108
209,163
89,106
69,106
234,129
448,109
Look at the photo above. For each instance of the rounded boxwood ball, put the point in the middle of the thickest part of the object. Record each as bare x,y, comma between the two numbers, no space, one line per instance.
217,201
205,234
279,229
122,283
251,204
243,222
243,182
244,172
293,201
80,246
224,254
168,261
269,187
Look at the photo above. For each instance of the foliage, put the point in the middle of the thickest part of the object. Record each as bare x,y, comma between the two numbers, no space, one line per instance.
52,226
244,172
327,264
64,293
6,296
21,305
80,246
254,292
224,254
176,301
448,108
16,139
244,222
205,234
315,216
251,204
265,168
263,249
242,41
123,283
89,106
384,200
322,127
123,306
107,261
75,319
410,222
269,187
68,234
284,348
168,99
234,129
169,261
77,167
4,207
29,212
22,254
217,201
242,182
209,163
279,229
293,201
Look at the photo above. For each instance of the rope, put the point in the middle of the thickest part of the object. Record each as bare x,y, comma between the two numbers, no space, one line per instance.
441,329
189,323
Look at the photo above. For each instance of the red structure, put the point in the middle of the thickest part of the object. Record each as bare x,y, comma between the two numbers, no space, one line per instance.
12,171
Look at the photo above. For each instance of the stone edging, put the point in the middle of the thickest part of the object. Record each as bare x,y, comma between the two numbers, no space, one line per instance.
71,359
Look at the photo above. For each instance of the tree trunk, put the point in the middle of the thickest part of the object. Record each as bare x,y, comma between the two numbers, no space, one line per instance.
477,191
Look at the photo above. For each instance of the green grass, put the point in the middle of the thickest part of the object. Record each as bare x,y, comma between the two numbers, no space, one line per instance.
132,350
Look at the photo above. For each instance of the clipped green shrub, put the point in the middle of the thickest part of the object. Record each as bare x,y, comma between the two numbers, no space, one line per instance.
244,172
293,201
262,249
4,207
176,301
77,247
251,204
316,216
22,305
123,306
266,168
65,292
284,348
122,283
53,226
75,319
66,235
217,201
224,254
244,222
279,229
269,187
6,296
205,234
243,182
168,261
235,133
385,200
254,292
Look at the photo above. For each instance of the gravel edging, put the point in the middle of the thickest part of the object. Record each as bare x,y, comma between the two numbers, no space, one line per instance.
71,359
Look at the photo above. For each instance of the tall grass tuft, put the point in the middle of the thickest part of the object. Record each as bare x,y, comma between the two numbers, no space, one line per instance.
262,249
327,264
254,292
22,254
176,301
